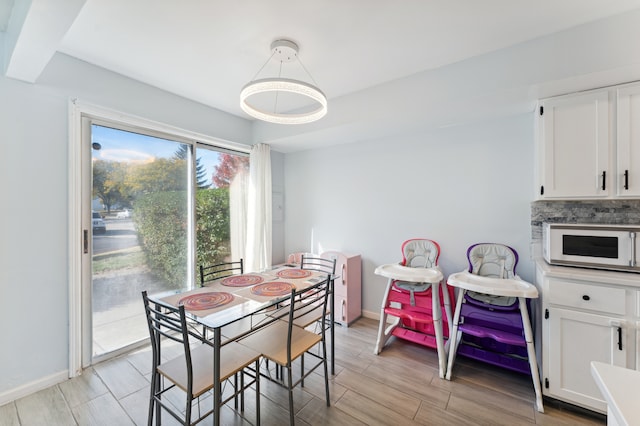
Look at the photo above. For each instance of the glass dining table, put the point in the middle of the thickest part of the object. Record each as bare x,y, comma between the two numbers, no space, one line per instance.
234,306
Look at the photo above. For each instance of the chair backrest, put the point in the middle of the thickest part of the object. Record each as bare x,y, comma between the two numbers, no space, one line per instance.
317,263
220,270
166,321
306,303
492,260
420,253
296,258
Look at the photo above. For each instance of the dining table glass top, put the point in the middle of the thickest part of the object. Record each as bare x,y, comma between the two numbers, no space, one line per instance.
223,301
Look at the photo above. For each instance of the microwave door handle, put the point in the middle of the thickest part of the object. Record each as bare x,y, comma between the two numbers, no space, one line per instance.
632,261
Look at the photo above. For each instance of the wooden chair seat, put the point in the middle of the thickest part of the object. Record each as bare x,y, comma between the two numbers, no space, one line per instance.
233,358
271,342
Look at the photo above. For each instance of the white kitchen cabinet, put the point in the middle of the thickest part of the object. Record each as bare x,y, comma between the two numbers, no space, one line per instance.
628,141
576,339
587,315
347,287
574,141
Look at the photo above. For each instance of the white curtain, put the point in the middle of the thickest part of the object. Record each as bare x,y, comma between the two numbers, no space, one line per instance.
258,251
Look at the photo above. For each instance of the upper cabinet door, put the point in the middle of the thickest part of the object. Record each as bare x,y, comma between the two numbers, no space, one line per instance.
575,141
628,138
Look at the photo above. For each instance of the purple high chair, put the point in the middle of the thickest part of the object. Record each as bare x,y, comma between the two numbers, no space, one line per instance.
491,320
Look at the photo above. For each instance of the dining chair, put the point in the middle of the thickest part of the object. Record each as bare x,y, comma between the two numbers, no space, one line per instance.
220,270
192,370
317,263
327,266
283,342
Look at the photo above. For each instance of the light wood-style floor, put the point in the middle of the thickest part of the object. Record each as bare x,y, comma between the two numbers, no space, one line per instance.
398,387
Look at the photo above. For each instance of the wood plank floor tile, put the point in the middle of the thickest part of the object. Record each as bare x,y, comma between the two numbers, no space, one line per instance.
83,388
370,411
566,416
46,407
280,395
414,380
101,411
485,394
392,399
141,360
314,385
429,415
137,405
482,413
9,415
317,413
121,377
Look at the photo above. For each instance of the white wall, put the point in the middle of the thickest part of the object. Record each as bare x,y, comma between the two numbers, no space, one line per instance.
457,185
34,215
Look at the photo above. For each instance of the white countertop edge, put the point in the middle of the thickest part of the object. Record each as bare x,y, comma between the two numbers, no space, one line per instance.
619,387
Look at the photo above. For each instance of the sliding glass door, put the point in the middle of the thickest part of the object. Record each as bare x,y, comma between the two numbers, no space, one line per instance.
160,206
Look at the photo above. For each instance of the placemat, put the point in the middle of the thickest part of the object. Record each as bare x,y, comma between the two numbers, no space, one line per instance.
273,288
204,301
293,273
242,280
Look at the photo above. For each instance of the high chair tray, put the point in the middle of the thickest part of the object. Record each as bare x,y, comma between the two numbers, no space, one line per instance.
405,273
496,286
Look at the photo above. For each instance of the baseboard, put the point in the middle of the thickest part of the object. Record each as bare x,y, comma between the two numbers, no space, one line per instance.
371,315
29,388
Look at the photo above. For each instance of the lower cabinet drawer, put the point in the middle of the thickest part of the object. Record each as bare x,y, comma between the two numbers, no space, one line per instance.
610,300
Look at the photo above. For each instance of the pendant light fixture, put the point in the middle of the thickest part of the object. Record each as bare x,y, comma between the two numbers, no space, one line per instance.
284,51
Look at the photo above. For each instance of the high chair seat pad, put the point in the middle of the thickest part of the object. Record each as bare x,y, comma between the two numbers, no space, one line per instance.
496,286
492,299
412,288
492,260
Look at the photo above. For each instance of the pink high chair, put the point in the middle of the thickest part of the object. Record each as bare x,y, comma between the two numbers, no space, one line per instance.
411,299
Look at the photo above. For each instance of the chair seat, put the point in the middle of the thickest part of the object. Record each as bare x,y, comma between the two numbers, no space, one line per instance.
233,357
310,317
271,341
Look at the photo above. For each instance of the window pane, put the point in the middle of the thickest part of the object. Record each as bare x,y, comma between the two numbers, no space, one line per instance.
220,205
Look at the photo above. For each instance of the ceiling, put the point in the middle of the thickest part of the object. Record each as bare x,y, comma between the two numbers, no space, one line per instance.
206,50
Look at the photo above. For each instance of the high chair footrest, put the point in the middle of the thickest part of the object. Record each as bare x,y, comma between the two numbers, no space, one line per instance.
417,317
499,335
415,337
512,363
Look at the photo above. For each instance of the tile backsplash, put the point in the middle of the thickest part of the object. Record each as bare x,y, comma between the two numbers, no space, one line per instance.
622,212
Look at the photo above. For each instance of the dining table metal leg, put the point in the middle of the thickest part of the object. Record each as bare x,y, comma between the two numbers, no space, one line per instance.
217,387
332,316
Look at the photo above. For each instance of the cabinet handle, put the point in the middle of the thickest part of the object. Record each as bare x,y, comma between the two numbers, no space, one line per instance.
586,297
632,237
619,338
604,180
344,304
626,180
344,276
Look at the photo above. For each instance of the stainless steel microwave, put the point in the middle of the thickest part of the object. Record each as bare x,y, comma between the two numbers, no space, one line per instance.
613,247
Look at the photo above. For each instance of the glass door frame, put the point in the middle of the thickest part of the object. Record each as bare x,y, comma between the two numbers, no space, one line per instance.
79,216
